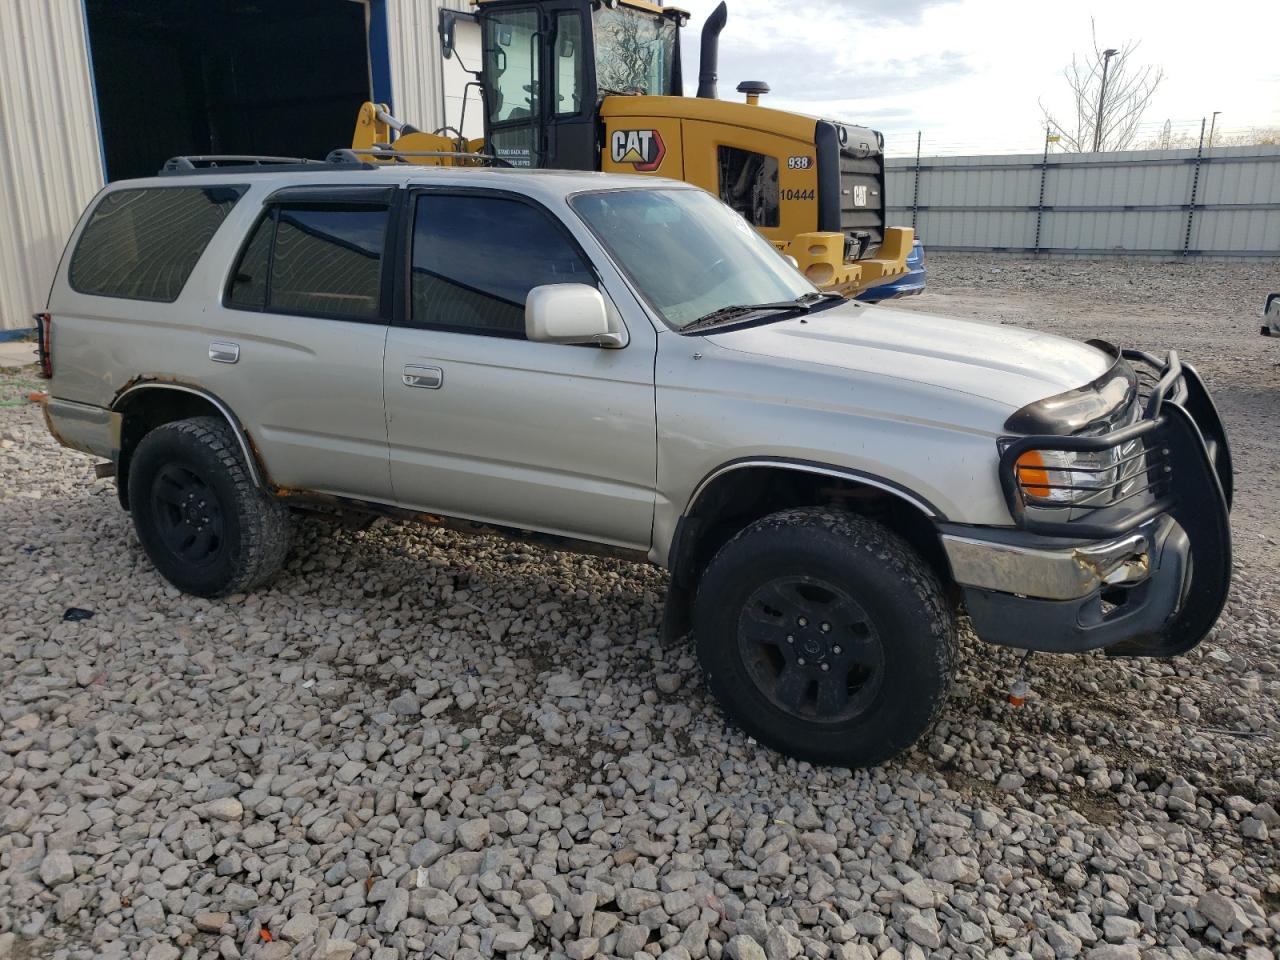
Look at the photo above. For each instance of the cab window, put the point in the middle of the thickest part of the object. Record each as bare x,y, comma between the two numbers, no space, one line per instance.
511,59
635,52
568,64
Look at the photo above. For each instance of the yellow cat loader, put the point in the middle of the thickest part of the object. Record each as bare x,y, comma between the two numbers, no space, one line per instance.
581,85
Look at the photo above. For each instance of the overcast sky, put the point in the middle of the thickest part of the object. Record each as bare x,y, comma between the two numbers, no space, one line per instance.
969,72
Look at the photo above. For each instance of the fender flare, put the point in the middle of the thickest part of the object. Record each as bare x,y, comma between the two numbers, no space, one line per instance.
242,438
813,468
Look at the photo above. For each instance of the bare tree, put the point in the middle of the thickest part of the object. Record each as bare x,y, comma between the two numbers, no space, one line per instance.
1188,140
1129,89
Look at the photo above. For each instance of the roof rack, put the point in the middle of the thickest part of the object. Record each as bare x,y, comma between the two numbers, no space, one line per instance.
248,163
344,158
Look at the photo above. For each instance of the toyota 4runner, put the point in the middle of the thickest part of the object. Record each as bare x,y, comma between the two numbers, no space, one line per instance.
623,365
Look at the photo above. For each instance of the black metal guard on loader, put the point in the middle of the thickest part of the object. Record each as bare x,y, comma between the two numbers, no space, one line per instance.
1182,470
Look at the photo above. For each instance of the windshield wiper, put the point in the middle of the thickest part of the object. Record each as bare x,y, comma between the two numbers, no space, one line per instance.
803,304
734,311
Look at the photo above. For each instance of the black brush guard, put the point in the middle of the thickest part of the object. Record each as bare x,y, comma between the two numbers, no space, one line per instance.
1186,477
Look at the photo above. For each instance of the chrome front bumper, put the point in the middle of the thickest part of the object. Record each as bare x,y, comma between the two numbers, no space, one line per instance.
1059,573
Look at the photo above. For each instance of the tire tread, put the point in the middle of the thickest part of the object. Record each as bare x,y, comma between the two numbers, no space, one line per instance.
884,547
265,527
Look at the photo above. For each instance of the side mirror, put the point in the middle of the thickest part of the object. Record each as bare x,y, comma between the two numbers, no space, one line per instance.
568,313
446,33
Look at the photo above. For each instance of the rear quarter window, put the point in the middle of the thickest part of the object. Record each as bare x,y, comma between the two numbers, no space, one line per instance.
142,243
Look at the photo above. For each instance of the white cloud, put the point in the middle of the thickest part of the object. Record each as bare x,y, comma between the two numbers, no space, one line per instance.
968,73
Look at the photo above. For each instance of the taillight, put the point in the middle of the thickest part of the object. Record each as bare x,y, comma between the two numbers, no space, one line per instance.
44,343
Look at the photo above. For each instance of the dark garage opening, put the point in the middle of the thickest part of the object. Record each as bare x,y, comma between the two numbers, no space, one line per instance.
273,77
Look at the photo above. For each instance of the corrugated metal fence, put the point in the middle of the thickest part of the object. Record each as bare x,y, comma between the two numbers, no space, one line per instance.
1223,202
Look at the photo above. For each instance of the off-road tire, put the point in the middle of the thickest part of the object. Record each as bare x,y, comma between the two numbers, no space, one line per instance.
253,528
905,607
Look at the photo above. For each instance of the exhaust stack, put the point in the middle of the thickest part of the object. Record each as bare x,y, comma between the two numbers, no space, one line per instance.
709,61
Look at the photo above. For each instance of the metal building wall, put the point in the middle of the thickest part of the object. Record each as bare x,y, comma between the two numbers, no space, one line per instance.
417,69
50,156
1131,203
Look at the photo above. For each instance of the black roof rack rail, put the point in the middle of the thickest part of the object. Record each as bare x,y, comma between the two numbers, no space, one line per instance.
249,163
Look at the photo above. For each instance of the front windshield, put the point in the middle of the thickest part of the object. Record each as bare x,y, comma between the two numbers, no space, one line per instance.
687,252
635,52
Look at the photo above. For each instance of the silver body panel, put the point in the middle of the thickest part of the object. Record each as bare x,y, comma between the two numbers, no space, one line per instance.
592,443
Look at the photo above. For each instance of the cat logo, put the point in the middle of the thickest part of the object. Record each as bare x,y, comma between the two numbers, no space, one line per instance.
643,149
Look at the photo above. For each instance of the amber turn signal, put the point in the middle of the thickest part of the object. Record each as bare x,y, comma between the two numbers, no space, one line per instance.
1032,474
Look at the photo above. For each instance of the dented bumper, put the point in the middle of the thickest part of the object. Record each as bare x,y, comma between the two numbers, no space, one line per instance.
1072,599
1044,569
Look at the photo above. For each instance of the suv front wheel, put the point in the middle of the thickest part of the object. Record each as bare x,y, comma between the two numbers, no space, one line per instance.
825,636
205,526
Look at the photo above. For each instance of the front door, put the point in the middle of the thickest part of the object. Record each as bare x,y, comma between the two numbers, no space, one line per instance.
484,424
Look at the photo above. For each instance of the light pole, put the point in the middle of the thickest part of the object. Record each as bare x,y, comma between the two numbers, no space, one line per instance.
1212,123
1102,97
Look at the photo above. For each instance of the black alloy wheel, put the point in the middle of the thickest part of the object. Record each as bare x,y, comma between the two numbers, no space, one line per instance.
811,649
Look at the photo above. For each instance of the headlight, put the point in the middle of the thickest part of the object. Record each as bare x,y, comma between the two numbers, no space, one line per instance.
1061,477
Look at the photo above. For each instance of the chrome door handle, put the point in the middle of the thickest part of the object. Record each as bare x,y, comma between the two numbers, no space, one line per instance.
429,378
223,351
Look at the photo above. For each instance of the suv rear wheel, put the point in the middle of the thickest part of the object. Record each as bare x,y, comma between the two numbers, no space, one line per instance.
205,526
825,636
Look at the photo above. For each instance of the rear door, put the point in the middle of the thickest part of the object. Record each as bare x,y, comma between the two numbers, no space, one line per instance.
297,348
486,425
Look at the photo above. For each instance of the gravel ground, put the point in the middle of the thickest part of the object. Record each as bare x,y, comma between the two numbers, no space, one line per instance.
413,743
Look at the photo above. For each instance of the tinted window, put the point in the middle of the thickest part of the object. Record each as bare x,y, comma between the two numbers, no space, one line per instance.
249,282
749,184
475,259
142,244
320,260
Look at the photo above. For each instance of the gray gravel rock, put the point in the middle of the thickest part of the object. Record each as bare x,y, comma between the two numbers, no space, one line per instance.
57,868
742,947
415,743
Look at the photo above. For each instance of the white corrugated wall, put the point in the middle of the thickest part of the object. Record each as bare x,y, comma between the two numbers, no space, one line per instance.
50,160
420,78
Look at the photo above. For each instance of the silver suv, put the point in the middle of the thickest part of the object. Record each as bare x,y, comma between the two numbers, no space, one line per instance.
619,364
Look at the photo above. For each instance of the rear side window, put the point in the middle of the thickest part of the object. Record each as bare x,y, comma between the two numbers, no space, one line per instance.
322,260
143,243
475,259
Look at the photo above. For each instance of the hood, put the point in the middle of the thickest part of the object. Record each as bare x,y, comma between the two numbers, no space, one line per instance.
1011,366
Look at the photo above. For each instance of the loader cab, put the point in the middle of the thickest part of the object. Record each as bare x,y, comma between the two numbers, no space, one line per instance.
546,65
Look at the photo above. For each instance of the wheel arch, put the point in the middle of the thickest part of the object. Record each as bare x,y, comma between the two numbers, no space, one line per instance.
150,404
741,491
